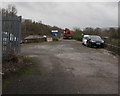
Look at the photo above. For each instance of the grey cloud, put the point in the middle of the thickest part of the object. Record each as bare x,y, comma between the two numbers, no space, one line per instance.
71,14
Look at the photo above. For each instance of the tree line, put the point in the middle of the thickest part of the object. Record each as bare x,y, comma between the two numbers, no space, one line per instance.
106,32
37,28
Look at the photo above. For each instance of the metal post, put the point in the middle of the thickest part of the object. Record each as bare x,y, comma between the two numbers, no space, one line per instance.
0,53
19,33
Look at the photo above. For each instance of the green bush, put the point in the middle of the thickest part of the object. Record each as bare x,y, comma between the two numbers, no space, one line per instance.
77,37
114,50
55,38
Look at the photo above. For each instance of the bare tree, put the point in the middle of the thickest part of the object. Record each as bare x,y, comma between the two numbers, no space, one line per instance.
12,9
77,29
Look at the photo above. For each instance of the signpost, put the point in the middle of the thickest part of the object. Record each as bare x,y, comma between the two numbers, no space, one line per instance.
54,32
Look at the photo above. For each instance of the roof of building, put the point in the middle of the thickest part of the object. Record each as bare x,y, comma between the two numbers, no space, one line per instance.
33,37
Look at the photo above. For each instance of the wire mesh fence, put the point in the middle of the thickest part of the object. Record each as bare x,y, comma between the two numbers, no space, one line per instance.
11,33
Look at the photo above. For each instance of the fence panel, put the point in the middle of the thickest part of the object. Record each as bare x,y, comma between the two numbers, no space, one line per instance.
11,30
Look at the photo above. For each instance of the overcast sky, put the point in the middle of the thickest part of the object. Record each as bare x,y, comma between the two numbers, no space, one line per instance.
70,14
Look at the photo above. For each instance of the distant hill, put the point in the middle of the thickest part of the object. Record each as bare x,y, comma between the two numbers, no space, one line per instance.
107,28
30,27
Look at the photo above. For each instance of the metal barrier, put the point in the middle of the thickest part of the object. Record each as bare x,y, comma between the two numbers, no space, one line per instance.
11,33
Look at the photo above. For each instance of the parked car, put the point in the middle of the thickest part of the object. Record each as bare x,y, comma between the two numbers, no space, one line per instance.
95,41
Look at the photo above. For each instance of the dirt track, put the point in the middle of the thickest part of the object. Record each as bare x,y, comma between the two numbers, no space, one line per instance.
68,67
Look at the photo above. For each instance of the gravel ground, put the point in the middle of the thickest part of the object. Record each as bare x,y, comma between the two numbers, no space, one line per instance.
67,67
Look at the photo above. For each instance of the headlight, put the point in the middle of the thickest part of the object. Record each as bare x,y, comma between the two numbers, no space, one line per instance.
92,41
102,41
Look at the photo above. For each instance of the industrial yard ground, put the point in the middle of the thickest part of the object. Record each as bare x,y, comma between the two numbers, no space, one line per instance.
67,67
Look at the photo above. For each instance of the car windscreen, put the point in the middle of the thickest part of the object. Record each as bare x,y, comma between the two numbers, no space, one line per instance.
95,37
86,37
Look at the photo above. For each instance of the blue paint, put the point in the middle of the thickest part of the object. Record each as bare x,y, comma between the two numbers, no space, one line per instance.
54,32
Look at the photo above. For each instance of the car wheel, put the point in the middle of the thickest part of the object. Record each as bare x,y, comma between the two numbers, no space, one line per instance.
102,46
90,45
87,44
83,43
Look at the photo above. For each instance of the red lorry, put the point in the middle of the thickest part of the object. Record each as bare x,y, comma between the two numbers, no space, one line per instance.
67,34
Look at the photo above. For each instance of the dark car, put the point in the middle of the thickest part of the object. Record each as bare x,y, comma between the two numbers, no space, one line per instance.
95,41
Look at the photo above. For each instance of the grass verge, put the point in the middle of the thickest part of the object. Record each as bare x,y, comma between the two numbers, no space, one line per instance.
13,70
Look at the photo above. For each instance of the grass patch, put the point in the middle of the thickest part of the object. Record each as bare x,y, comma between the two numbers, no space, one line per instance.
114,50
7,82
114,42
26,70
13,70
55,38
